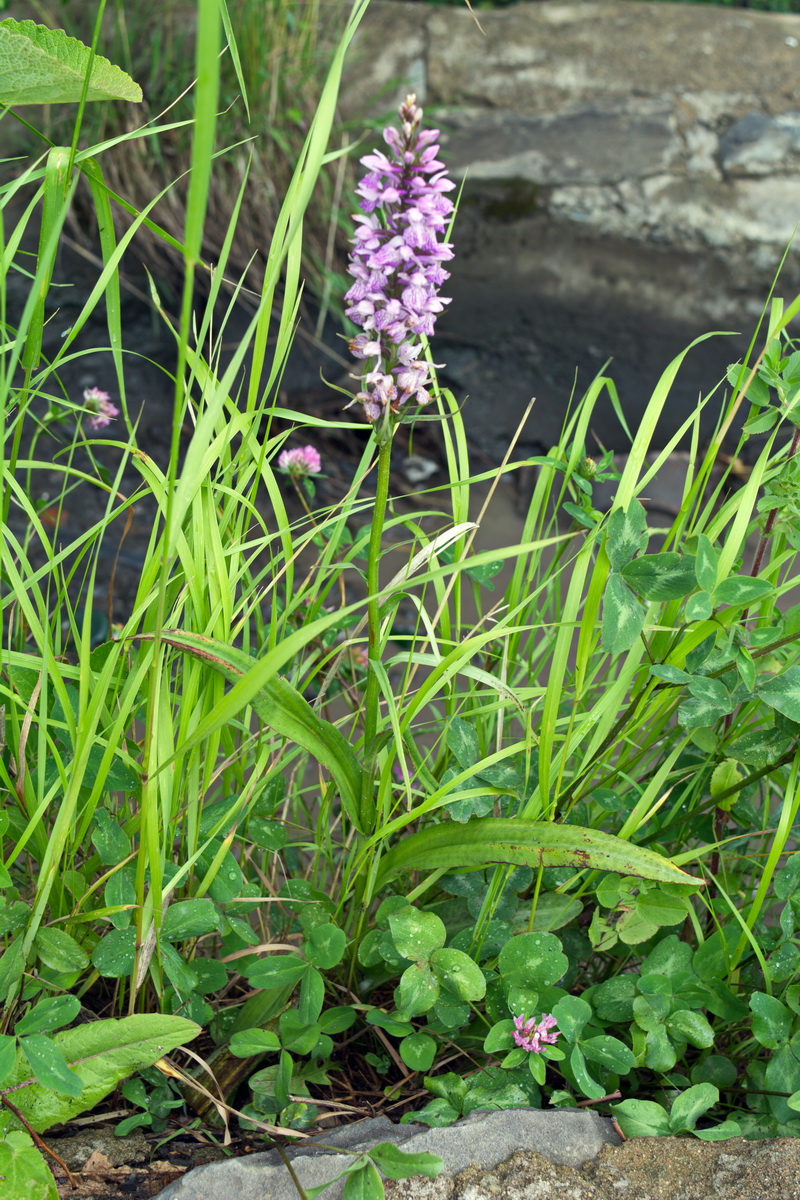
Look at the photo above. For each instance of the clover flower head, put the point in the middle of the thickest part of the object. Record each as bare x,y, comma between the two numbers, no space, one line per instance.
98,405
300,462
532,1036
396,264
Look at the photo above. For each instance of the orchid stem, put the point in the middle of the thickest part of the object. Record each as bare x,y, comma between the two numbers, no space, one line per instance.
372,693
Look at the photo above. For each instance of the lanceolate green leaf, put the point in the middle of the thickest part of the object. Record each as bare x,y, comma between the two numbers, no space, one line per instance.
101,1054
489,840
282,708
45,66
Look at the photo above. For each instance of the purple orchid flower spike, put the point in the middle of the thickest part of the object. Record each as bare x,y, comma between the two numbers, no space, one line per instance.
396,263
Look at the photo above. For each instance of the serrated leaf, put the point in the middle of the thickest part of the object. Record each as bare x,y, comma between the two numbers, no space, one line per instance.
666,576
23,1171
101,1054
45,66
623,617
627,534
489,840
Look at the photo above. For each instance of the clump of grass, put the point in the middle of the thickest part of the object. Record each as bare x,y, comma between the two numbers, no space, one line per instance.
531,838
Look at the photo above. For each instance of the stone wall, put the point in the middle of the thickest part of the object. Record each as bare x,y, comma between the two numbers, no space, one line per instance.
632,179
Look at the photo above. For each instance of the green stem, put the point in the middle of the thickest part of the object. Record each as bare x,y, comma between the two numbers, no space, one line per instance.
372,694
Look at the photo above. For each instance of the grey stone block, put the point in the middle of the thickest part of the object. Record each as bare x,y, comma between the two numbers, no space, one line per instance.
483,1139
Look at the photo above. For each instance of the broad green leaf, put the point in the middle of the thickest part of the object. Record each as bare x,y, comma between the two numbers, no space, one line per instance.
295,1034
760,748
590,1086
249,1042
659,908
44,66
23,1171
417,934
312,996
627,534
701,714
772,1021
782,1075
458,974
49,1066
667,576
610,1052
337,1020
705,564
324,946
719,1133
282,708
612,1000
741,589
572,1013
532,960
488,840
113,956
623,617
783,693
462,742
189,919
690,1105
51,1013
642,1118
660,1053
101,1054
691,1027
279,970
363,1183
716,1069
395,1163
178,971
59,951
418,1051
499,1037
725,776
698,607
8,1055
109,839
267,835
12,965
13,914
417,992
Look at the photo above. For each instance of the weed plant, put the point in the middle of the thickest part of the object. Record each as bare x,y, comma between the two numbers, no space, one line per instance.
535,847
